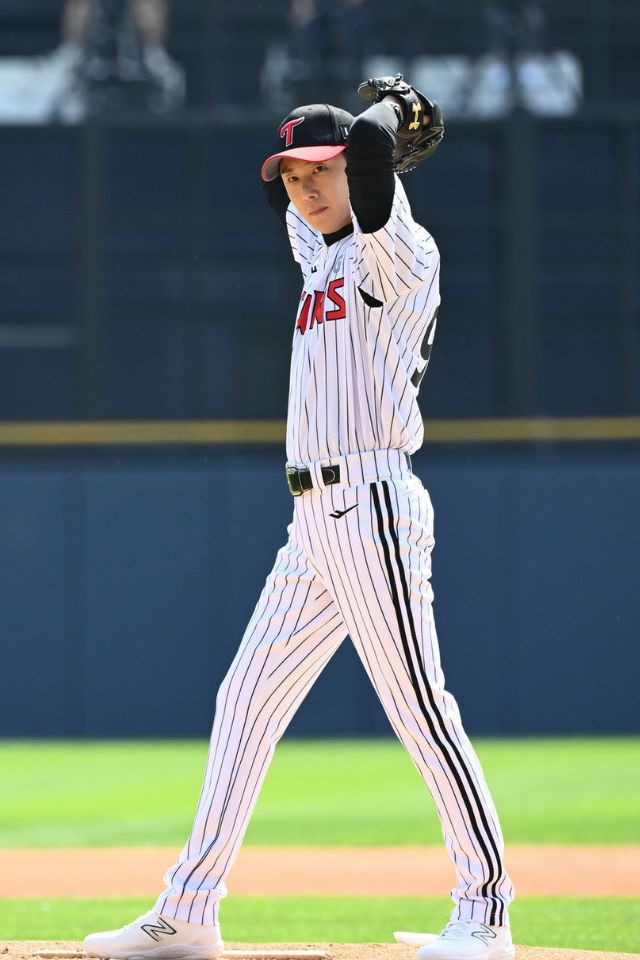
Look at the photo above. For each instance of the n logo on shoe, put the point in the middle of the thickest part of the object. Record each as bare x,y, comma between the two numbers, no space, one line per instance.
154,930
486,935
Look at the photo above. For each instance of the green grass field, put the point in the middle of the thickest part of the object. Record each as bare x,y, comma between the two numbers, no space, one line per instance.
321,792
317,792
589,924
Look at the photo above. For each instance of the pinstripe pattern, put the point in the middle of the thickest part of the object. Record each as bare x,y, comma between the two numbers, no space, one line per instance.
293,632
350,387
367,573
379,561
355,365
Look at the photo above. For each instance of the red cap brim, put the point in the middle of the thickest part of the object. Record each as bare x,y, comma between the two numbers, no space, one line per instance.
271,166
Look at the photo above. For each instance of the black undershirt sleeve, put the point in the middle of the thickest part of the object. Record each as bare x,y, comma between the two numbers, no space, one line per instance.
372,138
277,197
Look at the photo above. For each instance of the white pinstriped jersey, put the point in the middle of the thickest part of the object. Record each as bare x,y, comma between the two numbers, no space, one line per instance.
357,360
356,562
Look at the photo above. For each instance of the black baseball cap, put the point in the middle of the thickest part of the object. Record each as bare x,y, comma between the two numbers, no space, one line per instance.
317,131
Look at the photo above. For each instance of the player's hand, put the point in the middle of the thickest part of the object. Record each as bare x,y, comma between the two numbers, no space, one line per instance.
422,125
395,102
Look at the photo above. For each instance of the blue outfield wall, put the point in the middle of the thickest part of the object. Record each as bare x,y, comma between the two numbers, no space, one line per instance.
126,581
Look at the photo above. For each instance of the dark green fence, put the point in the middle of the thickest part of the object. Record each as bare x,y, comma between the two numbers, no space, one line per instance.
144,276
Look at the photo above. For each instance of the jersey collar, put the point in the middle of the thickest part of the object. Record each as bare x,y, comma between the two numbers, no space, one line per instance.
330,238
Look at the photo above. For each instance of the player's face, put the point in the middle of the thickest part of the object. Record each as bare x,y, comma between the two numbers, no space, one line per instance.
318,191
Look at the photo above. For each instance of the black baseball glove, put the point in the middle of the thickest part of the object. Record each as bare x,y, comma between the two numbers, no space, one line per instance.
415,141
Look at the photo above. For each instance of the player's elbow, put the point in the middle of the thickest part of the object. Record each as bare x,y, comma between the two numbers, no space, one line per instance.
368,141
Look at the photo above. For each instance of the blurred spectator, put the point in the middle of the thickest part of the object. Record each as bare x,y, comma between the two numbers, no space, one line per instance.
512,29
121,57
305,31
515,40
515,70
323,56
414,29
112,57
150,17
308,50
497,23
351,26
532,28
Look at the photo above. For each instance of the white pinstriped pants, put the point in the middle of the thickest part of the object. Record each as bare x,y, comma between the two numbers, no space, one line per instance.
366,574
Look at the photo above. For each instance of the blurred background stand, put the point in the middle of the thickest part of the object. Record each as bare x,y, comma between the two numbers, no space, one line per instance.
146,297
330,46
112,60
325,49
123,65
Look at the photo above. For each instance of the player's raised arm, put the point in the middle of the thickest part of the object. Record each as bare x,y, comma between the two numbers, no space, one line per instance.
397,133
393,136
370,172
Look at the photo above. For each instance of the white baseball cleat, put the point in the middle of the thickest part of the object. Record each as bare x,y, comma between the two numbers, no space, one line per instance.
154,937
469,940
414,939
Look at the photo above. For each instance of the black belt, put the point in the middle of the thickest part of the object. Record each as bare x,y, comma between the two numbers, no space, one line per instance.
300,480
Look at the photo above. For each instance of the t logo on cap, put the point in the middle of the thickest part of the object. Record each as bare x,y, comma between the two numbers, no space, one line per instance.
287,130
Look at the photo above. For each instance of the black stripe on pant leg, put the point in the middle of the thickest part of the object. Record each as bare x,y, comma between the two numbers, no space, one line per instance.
414,679
497,904
384,671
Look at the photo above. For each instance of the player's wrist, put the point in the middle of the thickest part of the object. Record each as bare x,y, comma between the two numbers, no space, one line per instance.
395,104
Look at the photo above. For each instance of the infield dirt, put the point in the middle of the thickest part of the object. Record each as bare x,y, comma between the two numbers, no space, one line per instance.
26,950
574,871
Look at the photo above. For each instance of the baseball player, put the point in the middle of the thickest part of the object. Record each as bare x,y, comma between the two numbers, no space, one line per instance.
357,558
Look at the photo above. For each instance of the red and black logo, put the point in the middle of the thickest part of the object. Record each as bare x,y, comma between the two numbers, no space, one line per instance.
287,130
315,309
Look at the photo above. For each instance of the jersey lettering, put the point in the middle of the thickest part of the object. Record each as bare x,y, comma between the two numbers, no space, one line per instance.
336,298
317,314
303,316
309,315
383,292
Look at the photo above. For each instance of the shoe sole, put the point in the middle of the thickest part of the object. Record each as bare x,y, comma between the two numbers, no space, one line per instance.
174,952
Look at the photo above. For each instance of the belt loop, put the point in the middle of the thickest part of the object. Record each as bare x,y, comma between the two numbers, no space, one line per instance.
315,469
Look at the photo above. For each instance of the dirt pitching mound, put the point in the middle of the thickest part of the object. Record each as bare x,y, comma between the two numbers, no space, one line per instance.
26,949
